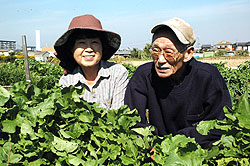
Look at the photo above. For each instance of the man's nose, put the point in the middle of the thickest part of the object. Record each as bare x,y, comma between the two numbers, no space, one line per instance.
162,59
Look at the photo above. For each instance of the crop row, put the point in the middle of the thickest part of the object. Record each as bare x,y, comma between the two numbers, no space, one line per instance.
46,125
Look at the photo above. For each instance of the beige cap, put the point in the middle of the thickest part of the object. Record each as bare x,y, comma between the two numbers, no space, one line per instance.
182,29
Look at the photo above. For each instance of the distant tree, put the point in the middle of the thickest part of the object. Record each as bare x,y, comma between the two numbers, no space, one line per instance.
134,53
220,52
242,53
142,54
146,51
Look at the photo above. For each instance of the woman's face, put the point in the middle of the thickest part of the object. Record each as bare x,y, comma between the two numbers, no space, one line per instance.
87,52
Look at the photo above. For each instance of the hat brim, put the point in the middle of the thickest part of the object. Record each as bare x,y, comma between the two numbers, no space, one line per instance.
65,55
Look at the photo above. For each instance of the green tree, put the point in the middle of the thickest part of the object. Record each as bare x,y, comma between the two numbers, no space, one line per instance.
146,54
242,53
221,53
134,53
142,54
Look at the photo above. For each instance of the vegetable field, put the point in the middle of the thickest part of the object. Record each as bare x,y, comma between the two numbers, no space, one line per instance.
46,125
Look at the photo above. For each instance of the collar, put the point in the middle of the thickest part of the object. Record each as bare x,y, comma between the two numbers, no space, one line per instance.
78,76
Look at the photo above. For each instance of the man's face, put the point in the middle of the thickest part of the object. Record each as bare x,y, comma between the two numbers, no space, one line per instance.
88,52
167,59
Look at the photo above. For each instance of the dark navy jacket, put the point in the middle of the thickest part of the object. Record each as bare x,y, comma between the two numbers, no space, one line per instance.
178,109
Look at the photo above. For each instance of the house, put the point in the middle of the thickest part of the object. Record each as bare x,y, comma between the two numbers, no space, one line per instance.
49,49
123,52
242,46
206,47
225,45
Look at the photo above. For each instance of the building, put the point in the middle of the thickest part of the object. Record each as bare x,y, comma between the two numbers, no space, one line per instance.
123,52
241,46
8,45
31,48
224,46
207,47
50,49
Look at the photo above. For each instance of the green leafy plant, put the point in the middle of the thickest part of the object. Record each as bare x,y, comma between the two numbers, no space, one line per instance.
12,73
55,127
234,146
43,124
131,69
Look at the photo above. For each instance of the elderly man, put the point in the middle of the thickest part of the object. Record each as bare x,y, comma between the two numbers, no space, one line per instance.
178,90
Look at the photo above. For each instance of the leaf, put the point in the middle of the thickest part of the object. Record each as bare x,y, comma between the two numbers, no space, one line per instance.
140,142
97,141
21,101
26,128
62,145
243,112
75,160
38,162
63,102
15,158
166,145
229,114
3,154
99,132
181,141
114,151
131,149
75,96
64,134
4,96
78,130
188,159
92,150
227,141
205,126
33,91
147,131
9,126
127,160
46,107
86,116
122,138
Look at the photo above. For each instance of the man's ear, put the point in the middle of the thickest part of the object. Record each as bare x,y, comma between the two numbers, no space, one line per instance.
188,54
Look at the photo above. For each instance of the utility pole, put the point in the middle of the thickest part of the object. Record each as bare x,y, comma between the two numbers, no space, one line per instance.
26,59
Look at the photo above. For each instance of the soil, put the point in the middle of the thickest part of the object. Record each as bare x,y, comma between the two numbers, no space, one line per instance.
230,61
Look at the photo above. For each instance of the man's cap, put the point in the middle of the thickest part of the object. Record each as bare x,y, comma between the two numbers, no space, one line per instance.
182,30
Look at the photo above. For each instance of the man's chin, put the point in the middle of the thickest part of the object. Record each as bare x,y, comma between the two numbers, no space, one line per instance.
163,75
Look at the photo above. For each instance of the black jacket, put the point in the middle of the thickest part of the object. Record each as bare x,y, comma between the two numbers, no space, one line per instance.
178,109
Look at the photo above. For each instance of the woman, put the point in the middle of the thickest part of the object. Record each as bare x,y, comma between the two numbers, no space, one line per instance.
83,51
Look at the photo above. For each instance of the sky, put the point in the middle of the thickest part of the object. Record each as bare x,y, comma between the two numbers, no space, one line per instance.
213,21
